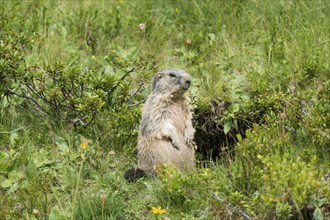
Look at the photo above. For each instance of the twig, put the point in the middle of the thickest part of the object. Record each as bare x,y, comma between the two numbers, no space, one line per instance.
25,97
230,205
133,94
80,120
121,79
137,90
135,104
85,71
13,131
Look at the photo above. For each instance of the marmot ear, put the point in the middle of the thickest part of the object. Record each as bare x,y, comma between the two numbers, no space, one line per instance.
157,77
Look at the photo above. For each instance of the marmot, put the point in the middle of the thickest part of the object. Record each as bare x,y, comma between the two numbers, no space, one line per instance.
166,132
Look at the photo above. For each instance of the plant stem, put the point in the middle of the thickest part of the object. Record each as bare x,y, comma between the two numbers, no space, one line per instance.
102,210
77,188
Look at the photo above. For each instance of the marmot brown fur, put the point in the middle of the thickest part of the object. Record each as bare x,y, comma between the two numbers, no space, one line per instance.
166,132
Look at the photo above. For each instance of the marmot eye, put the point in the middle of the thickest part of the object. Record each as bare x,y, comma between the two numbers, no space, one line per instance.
172,75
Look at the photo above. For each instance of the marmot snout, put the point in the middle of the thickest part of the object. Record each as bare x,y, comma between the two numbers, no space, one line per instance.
166,132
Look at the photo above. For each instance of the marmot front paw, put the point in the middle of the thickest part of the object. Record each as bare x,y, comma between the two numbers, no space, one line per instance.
176,145
189,136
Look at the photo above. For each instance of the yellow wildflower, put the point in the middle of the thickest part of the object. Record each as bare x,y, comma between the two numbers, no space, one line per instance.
93,57
84,144
157,210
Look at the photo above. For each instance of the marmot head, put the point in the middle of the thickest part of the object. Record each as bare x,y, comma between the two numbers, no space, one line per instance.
172,80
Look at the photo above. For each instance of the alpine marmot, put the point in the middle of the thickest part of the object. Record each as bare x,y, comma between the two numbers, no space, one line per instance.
166,132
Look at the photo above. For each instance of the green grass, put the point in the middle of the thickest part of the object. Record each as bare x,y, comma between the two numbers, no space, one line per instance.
260,74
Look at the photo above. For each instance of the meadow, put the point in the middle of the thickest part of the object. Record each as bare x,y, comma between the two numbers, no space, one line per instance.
74,76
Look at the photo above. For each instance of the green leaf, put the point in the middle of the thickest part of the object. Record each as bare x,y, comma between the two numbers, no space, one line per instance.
61,144
43,159
323,201
13,177
317,214
3,162
239,137
30,169
55,214
227,126
3,156
39,162
7,183
74,155
13,138
234,108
